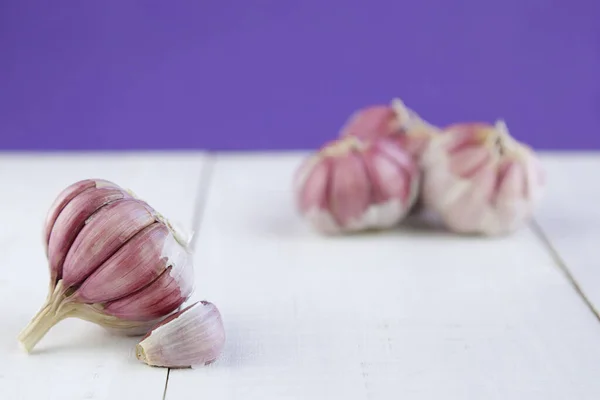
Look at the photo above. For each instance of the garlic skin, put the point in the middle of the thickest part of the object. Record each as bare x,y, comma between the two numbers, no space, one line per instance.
480,180
352,185
113,261
195,336
395,121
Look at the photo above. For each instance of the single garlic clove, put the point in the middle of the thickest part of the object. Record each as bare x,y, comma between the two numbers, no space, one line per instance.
166,293
64,198
392,172
352,185
349,189
480,180
311,183
135,265
193,337
104,233
520,181
161,297
72,219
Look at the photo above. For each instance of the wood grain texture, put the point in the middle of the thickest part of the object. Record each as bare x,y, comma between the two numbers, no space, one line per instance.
411,314
76,360
570,217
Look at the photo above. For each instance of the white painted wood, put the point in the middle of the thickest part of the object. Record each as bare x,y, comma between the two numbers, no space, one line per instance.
570,216
76,360
400,315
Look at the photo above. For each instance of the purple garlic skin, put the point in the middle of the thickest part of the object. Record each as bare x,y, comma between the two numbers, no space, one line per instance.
113,260
72,219
65,197
193,337
395,121
351,185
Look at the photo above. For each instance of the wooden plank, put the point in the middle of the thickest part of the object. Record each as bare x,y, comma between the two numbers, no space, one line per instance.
76,360
570,218
412,314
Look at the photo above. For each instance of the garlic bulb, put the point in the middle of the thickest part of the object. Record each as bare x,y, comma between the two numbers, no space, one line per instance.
113,261
352,185
193,337
395,121
480,180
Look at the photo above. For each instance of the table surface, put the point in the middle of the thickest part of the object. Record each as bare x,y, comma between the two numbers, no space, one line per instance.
411,313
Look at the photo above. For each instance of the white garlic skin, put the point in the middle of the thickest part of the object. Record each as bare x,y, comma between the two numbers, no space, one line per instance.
378,216
480,180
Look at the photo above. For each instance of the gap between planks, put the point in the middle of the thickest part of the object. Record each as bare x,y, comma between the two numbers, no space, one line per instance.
562,266
205,180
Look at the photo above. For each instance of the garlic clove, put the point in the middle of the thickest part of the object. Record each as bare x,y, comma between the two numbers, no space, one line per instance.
136,264
398,154
511,180
315,183
313,195
349,190
515,182
472,205
161,297
390,179
65,196
194,336
72,219
103,234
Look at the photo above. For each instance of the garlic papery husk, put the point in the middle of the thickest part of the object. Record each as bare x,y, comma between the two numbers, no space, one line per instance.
352,185
113,261
394,120
480,180
193,337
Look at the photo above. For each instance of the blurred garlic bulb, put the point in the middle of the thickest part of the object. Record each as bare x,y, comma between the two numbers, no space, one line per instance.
352,185
113,261
480,180
395,121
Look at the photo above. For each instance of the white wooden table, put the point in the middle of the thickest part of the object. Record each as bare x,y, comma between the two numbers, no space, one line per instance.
407,314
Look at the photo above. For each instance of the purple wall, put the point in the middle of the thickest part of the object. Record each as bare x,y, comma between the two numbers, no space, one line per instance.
283,74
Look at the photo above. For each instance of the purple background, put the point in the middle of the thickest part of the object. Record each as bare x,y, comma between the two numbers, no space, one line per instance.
283,74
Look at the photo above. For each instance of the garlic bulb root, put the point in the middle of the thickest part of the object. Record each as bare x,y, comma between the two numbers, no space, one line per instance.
60,307
44,320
